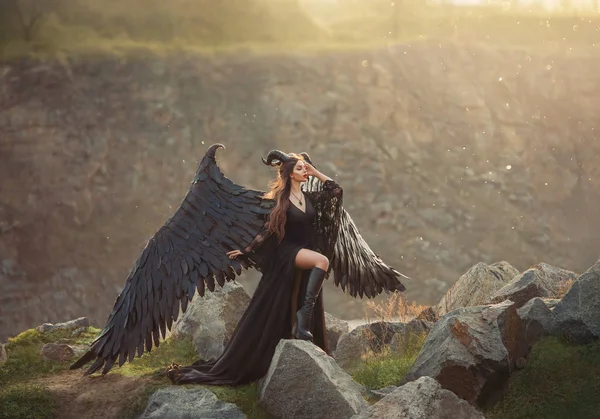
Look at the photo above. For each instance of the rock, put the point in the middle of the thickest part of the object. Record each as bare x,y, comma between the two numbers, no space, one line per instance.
411,337
538,320
373,338
335,328
551,303
429,314
556,280
476,286
382,392
423,398
78,331
81,322
471,351
578,313
211,320
59,352
189,403
542,280
79,350
329,392
3,355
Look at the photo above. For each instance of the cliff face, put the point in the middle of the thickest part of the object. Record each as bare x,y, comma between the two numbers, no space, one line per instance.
449,155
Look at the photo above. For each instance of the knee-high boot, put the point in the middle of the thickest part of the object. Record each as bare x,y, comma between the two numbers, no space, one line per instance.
304,315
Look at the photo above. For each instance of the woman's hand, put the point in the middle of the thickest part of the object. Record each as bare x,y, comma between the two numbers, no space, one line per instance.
234,253
310,170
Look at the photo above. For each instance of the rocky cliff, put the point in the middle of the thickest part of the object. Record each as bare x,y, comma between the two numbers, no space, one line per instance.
449,155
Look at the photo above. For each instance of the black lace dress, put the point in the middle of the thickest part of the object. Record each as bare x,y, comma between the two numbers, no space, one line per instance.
280,293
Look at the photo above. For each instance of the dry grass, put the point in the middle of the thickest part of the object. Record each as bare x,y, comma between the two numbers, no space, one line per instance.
389,355
395,308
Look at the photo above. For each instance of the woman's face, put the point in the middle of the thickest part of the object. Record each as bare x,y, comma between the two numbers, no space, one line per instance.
299,173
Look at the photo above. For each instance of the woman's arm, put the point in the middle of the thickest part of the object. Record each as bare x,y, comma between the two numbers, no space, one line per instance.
258,240
329,185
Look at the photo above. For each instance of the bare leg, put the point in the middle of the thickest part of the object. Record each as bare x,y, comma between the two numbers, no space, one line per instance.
308,259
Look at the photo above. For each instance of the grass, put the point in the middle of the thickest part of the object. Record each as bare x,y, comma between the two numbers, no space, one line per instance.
388,367
245,397
182,351
559,381
21,399
154,363
24,361
26,401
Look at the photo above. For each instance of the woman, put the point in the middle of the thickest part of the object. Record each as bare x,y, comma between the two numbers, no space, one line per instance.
286,245
298,233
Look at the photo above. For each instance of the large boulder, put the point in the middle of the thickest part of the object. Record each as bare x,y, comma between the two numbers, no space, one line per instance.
79,323
476,286
423,398
538,319
578,313
335,328
542,280
188,403
59,352
303,382
212,319
373,338
471,351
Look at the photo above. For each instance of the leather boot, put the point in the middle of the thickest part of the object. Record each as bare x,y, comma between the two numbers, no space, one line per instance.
304,315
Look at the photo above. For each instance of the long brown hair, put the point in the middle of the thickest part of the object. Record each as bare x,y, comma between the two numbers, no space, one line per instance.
279,190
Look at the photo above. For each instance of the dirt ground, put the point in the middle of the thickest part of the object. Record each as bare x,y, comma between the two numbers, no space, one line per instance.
96,397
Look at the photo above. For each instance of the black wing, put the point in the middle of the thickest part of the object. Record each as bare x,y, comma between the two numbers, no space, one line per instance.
355,266
187,254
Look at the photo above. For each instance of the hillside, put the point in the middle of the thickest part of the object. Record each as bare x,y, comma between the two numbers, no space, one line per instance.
449,155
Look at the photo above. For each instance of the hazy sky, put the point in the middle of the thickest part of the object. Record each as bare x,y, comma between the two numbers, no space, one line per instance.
548,3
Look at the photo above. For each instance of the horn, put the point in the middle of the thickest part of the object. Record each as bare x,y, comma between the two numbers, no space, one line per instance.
275,155
212,150
306,157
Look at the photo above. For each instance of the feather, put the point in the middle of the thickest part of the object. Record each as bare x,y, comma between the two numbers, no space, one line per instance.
183,256
356,268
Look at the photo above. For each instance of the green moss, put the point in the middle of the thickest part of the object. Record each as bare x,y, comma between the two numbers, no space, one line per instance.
245,397
24,360
155,362
181,350
388,368
32,401
559,381
26,401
